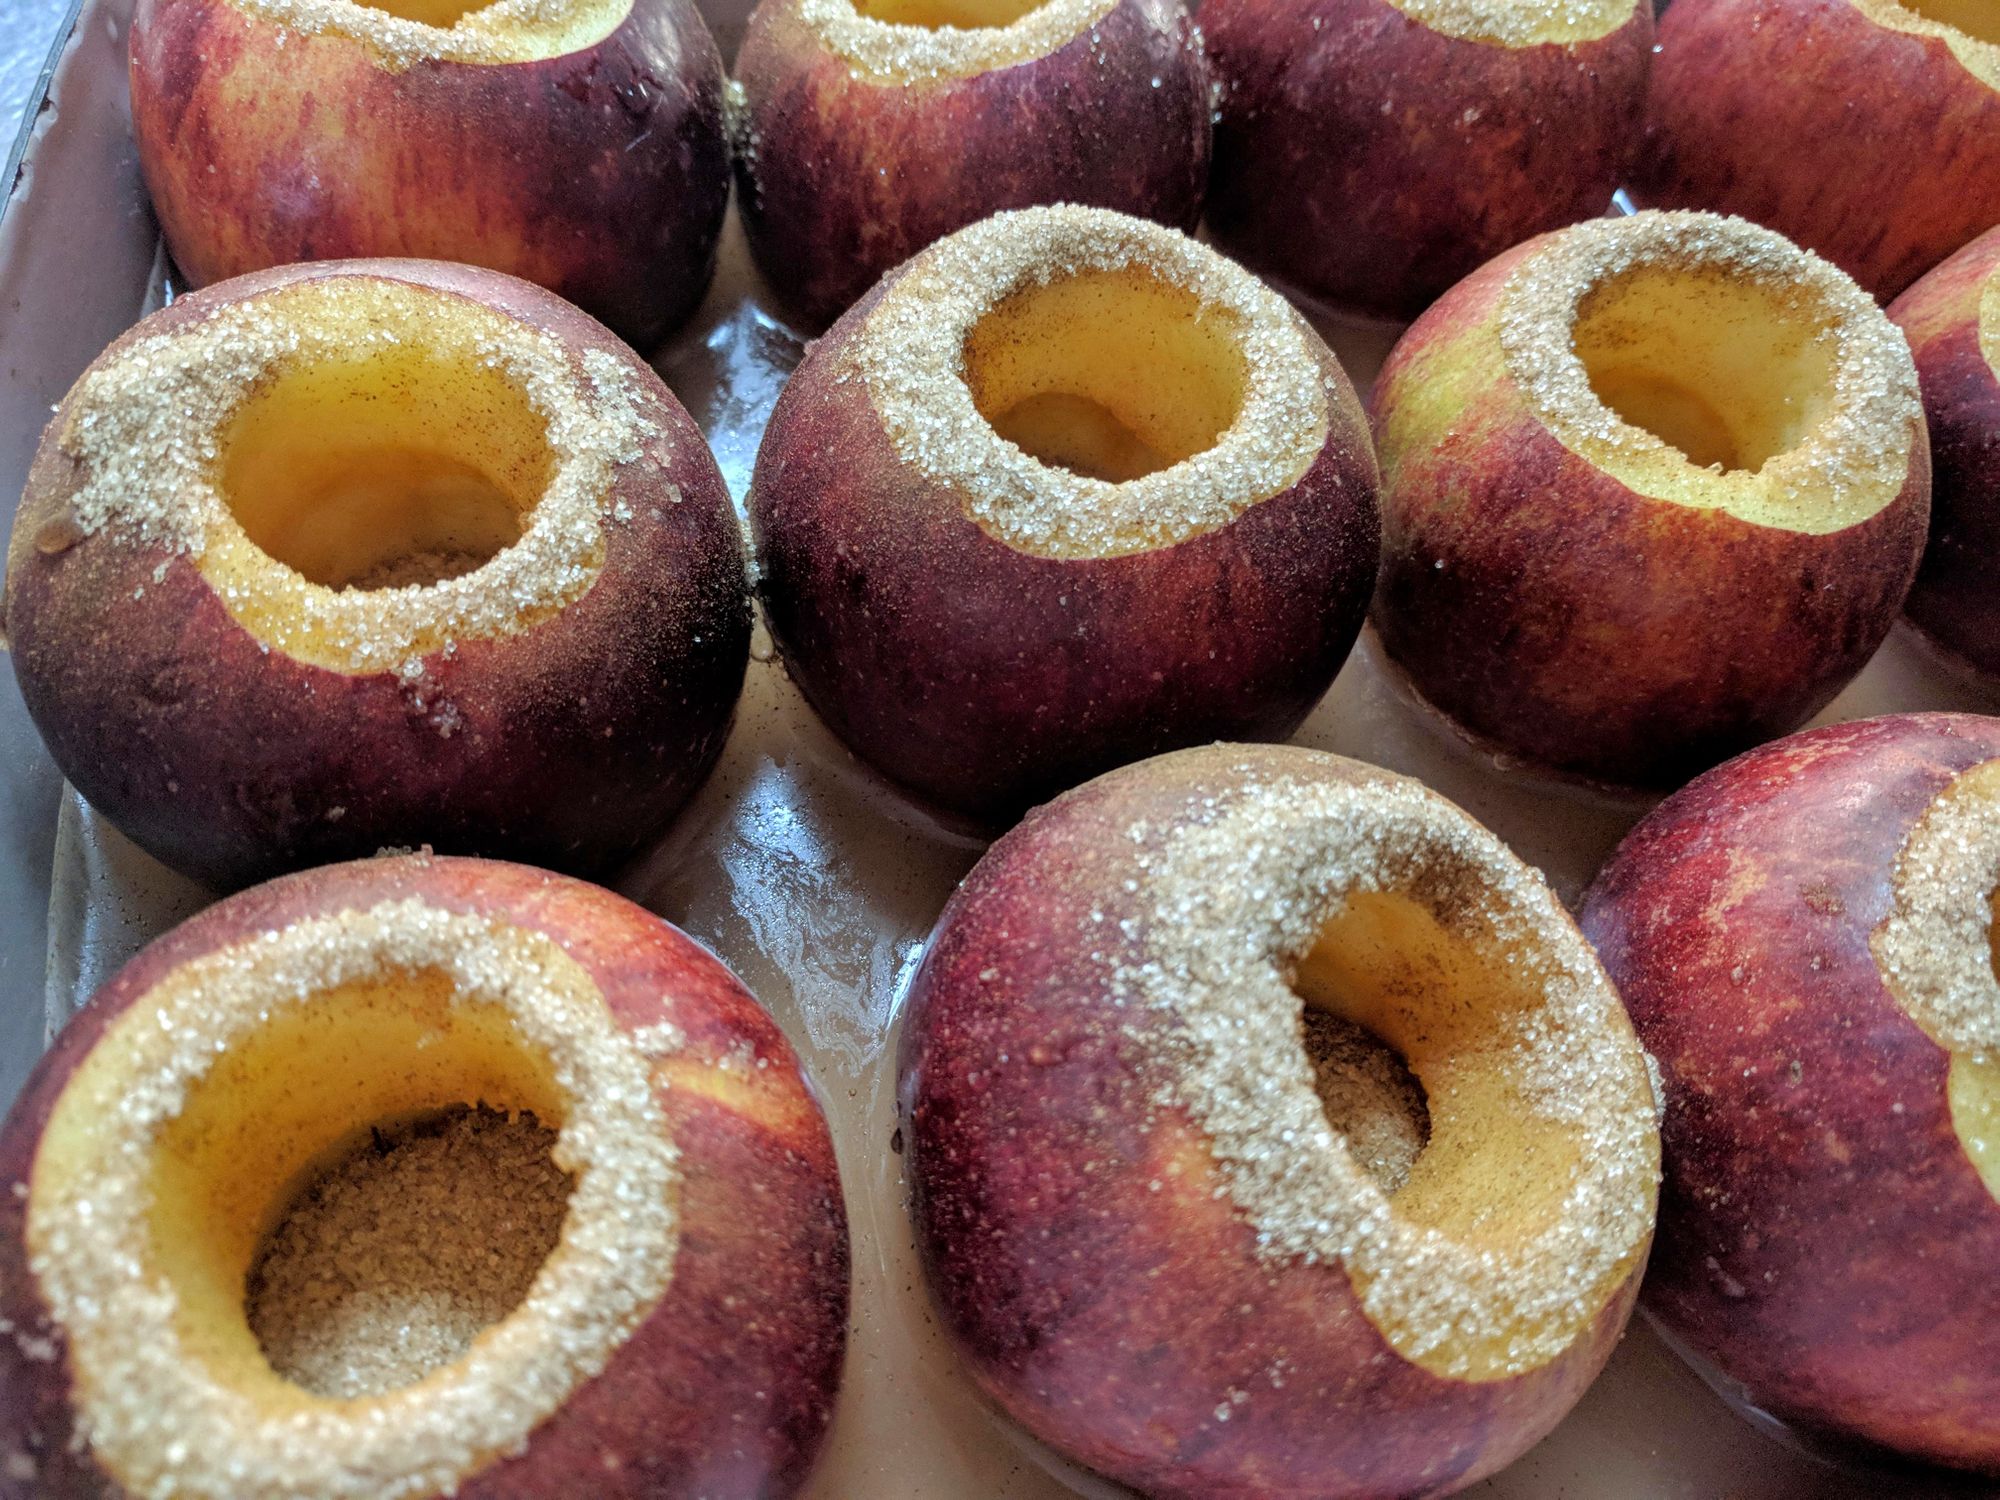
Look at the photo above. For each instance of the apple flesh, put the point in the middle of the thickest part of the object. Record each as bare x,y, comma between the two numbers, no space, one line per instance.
1371,153
239,710
1798,114
723,1386
1952,319
869,131
1654,489
1829,1231
587,153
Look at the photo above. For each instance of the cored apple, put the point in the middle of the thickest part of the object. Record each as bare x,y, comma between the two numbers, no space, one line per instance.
867,129
1805,938
1272,1131
368,553
1654,489
1370,153
418,1177
1065,490
1952,319
1867,130
577,143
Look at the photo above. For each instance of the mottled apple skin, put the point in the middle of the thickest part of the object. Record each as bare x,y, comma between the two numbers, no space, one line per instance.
1956,598
726,1389
1875,147
841,178
602,174
982,678
1596,632
1824,1240
1371,162
571,743
1110,1319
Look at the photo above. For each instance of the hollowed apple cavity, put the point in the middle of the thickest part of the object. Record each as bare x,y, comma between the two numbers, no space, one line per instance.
1974,1084
1938,951
389,466
1730,372
1976,18
965,15
350,1225
1371,1098
1438,1017
1109,374
443,13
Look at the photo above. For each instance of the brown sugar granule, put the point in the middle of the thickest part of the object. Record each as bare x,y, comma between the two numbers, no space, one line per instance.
1371,1098
396,1259
417,568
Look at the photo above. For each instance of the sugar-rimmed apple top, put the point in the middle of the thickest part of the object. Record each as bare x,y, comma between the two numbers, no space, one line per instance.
1229,905
1979,55
506,31
1935,947
148,426
895,53
155,1412
1520,23
910,353
1848,449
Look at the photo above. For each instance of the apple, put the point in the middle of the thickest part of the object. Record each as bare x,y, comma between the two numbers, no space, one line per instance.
1271,1130
684,1335
1866,130
867,129
1946,317
1654,489
580,144
1370,153
1065,490
1804,937
370,553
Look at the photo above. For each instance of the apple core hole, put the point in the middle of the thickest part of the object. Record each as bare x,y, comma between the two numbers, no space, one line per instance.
357,1188
391,1260
1371,1098
440,13
1728,372
1111,375
388,467
1976,18
933,15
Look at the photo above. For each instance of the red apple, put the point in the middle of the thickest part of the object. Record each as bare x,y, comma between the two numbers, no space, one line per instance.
1804,937
870,128
1370,153
1272,1131
683,1337
1065,490
1952,319
376,553
577,143
1867,130
1654,489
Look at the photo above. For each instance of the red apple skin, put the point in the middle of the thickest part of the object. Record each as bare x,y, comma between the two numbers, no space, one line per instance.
1875,147
1955,601
602,174
726,1389
845,178
1592,631
1027,674
1370,162
575,742
1836,1258
1107,1318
